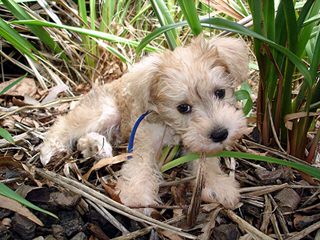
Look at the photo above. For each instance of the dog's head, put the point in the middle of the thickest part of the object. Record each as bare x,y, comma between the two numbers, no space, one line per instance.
193,92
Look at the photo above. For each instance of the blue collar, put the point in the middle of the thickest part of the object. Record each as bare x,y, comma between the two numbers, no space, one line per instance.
134,130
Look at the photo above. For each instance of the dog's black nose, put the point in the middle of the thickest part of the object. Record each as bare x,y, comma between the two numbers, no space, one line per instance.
219,135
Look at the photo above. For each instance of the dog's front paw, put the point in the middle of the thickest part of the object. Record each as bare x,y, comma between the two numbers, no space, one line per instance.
223,190
137,196
50,151
94,145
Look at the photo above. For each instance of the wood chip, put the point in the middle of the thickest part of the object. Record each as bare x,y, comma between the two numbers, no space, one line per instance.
288,199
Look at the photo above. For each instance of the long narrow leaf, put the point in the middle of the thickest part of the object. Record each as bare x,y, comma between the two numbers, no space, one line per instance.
315,61
306,30
312,171
5,191
164,17
40,32
16,40
11,85
190,13
244,95
6,135
312,20
88,32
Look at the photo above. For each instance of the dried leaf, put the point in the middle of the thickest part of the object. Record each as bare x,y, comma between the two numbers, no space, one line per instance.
27,86
18,208
293,116
301,222
170,235
106,162
110,190
54,91
194,207
288,199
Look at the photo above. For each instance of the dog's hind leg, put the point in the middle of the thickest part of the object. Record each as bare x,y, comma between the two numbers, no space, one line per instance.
96,112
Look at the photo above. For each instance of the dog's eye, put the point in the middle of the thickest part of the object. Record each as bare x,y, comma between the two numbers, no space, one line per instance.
220,93
184,108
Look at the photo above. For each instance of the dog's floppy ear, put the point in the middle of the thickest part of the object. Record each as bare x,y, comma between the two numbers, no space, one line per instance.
234,52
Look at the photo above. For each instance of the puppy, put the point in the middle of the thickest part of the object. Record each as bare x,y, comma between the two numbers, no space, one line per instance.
190,93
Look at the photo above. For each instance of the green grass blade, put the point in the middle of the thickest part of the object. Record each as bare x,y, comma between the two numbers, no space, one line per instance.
16,40
243,95
6,135
164,17
285,105
315,61
306,30
242,5
312,171
181,160
83,11
6,191
314,72
87,32
11,85
124,12
87,43
93,14
21,1
269,19
144,42
40,32
116,53
313,19
103,14
93,17
139,13
110,11
190,13
291,24
304,13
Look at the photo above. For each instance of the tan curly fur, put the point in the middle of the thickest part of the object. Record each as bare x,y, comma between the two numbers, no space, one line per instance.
160,83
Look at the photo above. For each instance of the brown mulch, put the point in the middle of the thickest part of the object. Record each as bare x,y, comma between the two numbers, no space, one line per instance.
276,202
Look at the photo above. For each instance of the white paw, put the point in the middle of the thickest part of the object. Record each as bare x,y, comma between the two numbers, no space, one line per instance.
223,190
94,145
49,150
136,195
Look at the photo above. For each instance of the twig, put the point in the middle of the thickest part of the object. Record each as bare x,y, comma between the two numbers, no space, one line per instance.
282,221
135,234
108,216
144,231
176,182
266,215
108,203
58,101
273,129
305,209
275,226
305,232
194,207
210,225
258,188
315,195
268,189
245,225
274,151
